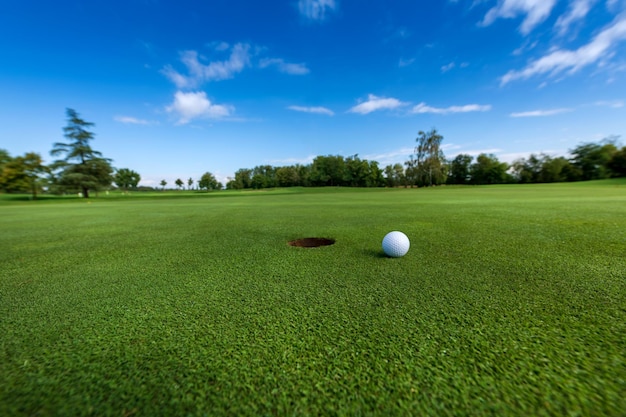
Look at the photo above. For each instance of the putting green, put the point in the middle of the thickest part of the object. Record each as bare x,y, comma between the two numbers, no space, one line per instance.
511,301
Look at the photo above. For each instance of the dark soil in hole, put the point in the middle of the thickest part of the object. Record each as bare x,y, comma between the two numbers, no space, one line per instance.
312,242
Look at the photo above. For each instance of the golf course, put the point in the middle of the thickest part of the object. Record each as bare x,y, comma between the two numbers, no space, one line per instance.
510,302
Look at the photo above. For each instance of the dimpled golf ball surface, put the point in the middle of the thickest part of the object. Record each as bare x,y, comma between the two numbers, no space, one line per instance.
396,244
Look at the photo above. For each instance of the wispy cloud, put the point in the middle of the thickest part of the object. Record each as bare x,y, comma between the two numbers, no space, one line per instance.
423,108
131,120
292,161
194,105
536,11
614,104
285,67
316,10
405,62
540,113
199,73
559,61
577,10
396,156
316,110
375,103
447,67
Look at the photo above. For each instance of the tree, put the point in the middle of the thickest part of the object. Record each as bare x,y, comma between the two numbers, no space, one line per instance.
82,167
243,179
553,169
429,159
209,182
23,173
328,170
459,171
163,184
179,183
287,176
33,168
4,158
126,178
617,163
488,170
263,176
592,159
189,183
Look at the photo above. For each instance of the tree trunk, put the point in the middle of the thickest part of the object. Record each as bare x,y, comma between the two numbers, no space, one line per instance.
85,192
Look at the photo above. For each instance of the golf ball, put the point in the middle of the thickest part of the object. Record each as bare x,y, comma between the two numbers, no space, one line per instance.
396,244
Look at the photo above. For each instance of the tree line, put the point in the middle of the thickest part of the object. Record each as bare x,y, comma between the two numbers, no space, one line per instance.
427,166
81,169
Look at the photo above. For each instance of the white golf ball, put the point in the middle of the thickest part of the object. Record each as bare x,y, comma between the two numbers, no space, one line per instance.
396,244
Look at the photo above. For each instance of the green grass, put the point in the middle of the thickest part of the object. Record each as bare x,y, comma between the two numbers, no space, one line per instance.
511,301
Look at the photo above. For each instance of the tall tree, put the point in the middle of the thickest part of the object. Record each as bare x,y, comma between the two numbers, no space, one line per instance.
82,167
163,184
179,183
209,182
189,183
429,159
459,171
126,178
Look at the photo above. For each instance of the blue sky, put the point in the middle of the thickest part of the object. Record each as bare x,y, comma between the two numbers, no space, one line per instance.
178,88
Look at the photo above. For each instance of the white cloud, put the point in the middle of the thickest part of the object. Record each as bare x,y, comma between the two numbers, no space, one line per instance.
613,5
131,120
316,9
577,10
193,105
447,67
558,61
536,11
293,161
423,108
540,113
375,103
213,71
316,110
614,104
287,68
393,157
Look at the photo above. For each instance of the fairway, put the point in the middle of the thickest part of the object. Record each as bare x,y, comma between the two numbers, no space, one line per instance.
511,302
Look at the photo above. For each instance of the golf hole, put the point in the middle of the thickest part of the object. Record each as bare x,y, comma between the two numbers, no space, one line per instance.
312,242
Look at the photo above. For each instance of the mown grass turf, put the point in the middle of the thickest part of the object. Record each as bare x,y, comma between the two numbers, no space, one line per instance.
511,301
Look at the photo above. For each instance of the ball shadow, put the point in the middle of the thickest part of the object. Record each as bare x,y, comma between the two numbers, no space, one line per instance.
372,253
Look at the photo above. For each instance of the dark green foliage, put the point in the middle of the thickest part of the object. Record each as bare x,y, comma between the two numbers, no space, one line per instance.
459,169
126,178
617,163
394,175
591,159
488,170
509,303
208,182
22,174
328,170
542,168
82,167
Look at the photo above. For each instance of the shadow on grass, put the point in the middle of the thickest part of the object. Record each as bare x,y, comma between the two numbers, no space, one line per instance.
372,253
